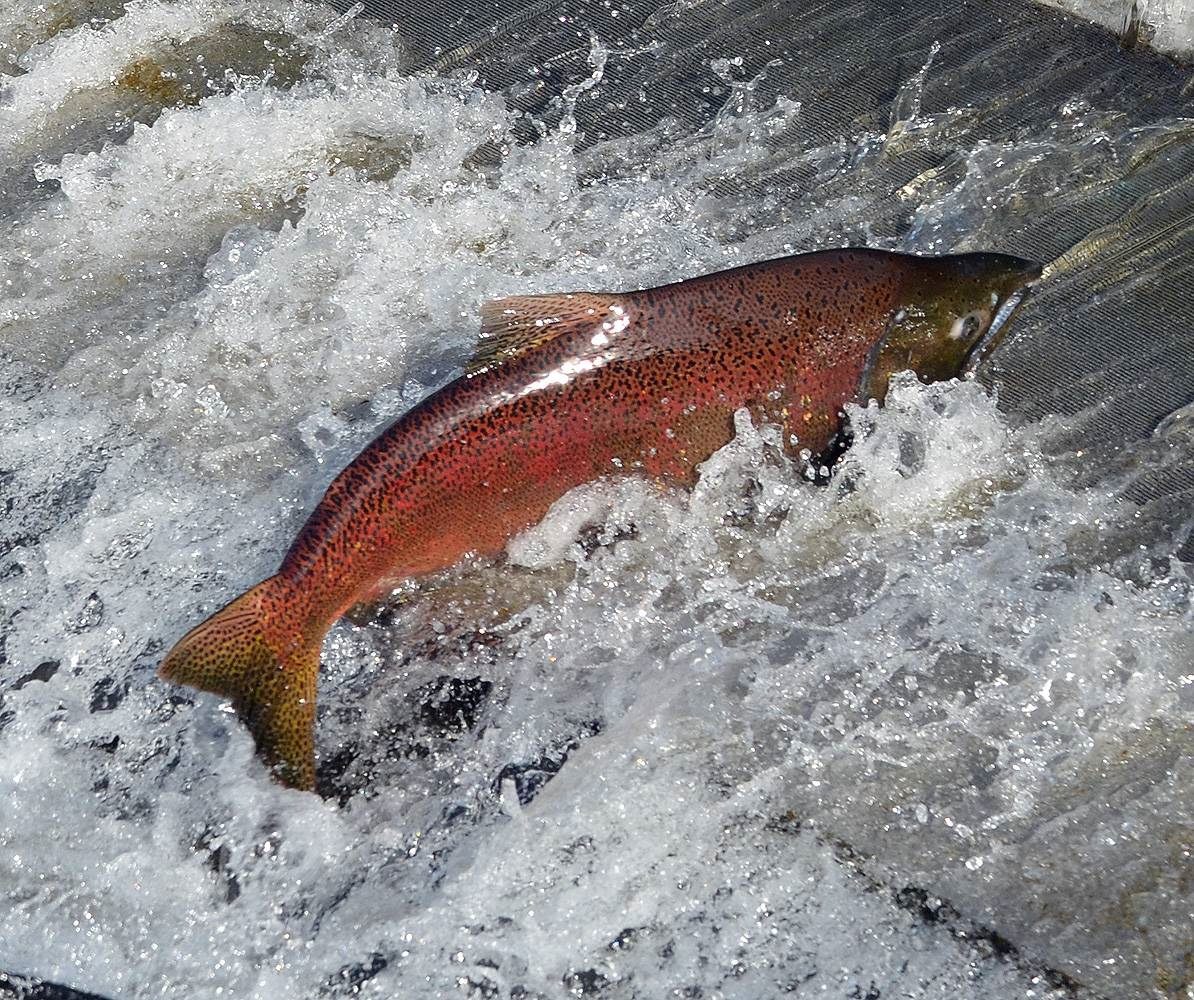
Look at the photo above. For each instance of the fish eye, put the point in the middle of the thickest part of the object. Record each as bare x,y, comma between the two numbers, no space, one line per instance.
966,327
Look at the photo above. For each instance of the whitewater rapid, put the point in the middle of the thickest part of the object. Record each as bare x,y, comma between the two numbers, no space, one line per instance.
921,731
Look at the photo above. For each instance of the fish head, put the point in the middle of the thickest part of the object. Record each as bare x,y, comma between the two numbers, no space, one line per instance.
951,313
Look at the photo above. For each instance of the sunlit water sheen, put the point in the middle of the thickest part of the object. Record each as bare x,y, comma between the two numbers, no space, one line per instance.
698,746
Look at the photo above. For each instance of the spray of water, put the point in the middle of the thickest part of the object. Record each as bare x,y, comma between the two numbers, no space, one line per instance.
736,743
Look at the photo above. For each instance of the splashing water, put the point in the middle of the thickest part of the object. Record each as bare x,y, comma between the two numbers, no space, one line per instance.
773,736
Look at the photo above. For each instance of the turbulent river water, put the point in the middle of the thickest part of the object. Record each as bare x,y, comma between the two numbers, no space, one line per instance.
920,731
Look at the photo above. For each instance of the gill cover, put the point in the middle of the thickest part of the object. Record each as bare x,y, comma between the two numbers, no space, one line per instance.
952,311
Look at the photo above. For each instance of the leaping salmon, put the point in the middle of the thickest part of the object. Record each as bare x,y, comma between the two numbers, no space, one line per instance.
569,388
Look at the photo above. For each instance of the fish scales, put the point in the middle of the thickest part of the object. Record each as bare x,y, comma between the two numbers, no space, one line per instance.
439,482
575,387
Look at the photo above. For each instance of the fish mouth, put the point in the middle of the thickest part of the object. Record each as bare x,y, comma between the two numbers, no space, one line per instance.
1029,271
986,344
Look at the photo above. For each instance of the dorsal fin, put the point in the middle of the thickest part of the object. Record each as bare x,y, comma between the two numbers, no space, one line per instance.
519,323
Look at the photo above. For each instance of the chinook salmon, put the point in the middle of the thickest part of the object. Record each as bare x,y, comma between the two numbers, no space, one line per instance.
569,388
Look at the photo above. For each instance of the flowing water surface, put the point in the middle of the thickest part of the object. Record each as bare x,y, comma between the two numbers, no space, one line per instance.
920,731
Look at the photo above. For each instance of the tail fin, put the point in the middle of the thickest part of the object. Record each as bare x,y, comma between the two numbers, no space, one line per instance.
269,676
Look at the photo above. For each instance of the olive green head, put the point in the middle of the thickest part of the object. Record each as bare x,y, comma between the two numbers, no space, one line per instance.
951,313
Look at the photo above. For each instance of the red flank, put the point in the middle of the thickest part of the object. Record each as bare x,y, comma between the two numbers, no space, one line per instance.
568,388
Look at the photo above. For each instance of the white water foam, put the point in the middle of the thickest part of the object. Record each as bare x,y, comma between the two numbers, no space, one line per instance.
774,736
1166,25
